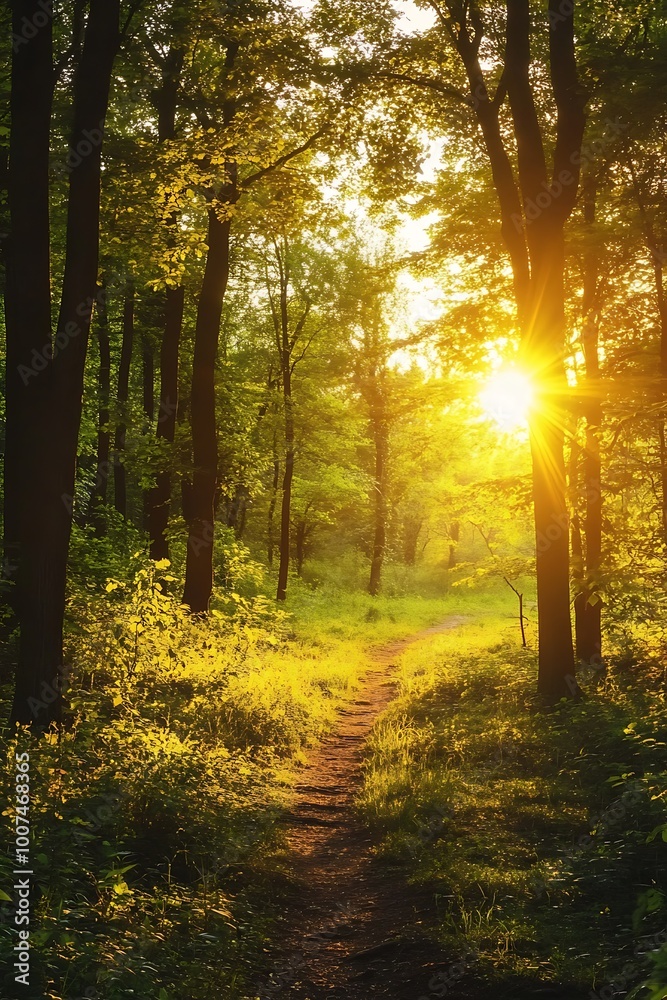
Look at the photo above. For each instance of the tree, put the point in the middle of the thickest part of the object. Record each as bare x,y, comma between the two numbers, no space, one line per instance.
48,443
534,210
122,395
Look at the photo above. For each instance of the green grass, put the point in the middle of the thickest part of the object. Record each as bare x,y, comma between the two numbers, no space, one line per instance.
531,826
154,812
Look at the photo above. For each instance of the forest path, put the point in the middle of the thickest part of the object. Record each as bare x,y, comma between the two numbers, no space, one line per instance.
352,927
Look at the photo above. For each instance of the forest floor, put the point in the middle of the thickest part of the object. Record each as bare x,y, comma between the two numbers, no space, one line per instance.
346,801
353,927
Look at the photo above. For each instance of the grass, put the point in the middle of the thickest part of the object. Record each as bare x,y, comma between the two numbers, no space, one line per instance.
530,826
154,812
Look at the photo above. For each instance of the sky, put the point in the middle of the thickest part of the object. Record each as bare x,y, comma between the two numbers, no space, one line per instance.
412,17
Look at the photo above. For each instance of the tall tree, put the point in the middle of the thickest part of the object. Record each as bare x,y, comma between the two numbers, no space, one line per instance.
122,396
588,604
289,328
51,425
27,294
99,491
534,207
159,498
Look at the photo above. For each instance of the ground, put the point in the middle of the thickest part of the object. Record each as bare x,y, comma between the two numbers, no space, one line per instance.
353,926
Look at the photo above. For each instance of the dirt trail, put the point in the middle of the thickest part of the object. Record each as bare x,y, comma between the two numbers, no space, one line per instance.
346,936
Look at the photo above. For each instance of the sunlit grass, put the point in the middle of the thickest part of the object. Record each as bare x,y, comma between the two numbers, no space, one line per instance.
488,800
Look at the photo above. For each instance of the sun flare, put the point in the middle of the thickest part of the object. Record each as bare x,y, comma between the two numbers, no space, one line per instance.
506,398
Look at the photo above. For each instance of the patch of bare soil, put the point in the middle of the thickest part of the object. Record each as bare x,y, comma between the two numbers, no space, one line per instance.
354,929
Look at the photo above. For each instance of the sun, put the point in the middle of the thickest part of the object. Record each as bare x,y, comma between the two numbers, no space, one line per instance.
506,398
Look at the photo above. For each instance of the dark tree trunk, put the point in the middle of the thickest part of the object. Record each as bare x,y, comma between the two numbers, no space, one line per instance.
411,530
166,98
199,560
148,392
588,606
160,496
454,534
237,510
148,378
53,427
122,394
300,539
99,494
27,291
288,475
543,345
379,430
544,324
272,502
532,227
201,499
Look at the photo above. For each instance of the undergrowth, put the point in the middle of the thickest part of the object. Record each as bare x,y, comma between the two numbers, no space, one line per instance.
540,832
153,812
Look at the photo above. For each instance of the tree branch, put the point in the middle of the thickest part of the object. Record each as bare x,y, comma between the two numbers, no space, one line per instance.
282,160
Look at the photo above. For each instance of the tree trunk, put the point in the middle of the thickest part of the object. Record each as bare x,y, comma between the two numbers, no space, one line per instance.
380,440
411,530
588,606
237,509
548,203
300,546
27,291
288,476
543,345
201,496
99,493
147,380
160,496
119,474
199,560
148,392
533,216
454,534
272,503
53,426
